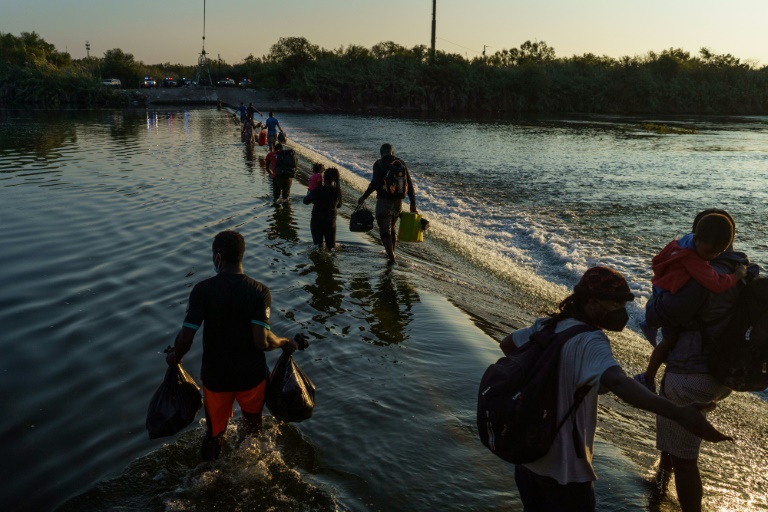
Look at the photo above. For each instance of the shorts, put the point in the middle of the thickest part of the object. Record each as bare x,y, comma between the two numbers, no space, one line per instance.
684,389
271,139
387,214
218,405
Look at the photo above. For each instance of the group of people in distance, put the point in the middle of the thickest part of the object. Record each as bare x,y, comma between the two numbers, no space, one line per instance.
324,193
696,284
249,124
234,309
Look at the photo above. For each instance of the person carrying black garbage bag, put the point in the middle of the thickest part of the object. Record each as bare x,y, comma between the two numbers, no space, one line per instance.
233,310
392,182
562,479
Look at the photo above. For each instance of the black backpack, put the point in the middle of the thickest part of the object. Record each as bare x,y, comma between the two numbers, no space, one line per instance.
286,163
738,357
395,183
517,400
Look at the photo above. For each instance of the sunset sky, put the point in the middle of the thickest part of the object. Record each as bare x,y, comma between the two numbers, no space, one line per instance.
158,31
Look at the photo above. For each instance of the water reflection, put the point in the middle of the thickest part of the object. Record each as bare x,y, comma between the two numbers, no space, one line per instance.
283,226
388,306
250,158
327,292
40,136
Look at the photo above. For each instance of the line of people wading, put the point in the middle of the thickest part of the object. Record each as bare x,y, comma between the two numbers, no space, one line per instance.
234,312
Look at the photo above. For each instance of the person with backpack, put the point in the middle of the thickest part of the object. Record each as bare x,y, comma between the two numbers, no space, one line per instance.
688,375
271,159
681,260
392,182
562,478
284,171
326,199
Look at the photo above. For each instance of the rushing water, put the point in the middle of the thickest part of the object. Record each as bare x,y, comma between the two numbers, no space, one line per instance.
107,218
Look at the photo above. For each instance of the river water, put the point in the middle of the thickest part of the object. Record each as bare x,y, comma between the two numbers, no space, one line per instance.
107,222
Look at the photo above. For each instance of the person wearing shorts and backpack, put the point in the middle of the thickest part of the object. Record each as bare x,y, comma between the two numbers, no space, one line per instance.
392,182
687,378
679,262
562,480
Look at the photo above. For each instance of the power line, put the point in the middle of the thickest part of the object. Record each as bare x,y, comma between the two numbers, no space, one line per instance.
460,46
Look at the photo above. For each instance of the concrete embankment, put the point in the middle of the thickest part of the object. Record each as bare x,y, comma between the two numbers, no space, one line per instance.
228,96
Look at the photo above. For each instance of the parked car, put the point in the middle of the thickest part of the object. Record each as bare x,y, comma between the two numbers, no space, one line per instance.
169,82
112,82
148,82
245,83
227,82
185,82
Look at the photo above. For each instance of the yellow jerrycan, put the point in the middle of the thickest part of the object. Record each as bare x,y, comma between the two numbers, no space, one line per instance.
410,228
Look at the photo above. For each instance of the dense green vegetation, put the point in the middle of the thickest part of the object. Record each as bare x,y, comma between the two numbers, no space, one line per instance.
33,71
526,79
530,78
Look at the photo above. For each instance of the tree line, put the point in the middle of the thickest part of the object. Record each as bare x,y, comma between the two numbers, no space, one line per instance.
528,79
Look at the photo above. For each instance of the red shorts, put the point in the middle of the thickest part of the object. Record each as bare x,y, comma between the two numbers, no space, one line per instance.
218,405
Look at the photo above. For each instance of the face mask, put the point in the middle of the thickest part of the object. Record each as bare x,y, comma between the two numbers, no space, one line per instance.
615,320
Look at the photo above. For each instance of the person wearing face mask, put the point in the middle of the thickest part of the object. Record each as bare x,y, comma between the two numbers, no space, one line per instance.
233,310
562,480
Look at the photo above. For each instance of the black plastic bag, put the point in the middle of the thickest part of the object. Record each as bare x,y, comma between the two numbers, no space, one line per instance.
361,219
174,405
290,393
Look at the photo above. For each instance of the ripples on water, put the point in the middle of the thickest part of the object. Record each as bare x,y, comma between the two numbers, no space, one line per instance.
108,218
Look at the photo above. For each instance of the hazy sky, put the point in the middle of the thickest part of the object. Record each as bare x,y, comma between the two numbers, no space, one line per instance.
158,31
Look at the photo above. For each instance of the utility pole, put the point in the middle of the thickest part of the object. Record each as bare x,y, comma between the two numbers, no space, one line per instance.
87,49
434,28
202,60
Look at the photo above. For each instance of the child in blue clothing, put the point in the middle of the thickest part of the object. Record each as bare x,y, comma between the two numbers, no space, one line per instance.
679,262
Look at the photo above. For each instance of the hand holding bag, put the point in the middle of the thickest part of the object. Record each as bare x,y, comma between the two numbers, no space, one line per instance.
361,219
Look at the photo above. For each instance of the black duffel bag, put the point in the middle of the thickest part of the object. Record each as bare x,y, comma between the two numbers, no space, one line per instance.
361,219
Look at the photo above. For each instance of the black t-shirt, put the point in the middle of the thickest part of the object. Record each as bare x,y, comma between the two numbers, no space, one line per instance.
227,305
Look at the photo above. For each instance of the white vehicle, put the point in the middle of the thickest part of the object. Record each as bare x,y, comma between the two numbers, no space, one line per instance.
112,82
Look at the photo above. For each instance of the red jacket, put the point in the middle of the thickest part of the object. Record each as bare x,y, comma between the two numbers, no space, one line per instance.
674,266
